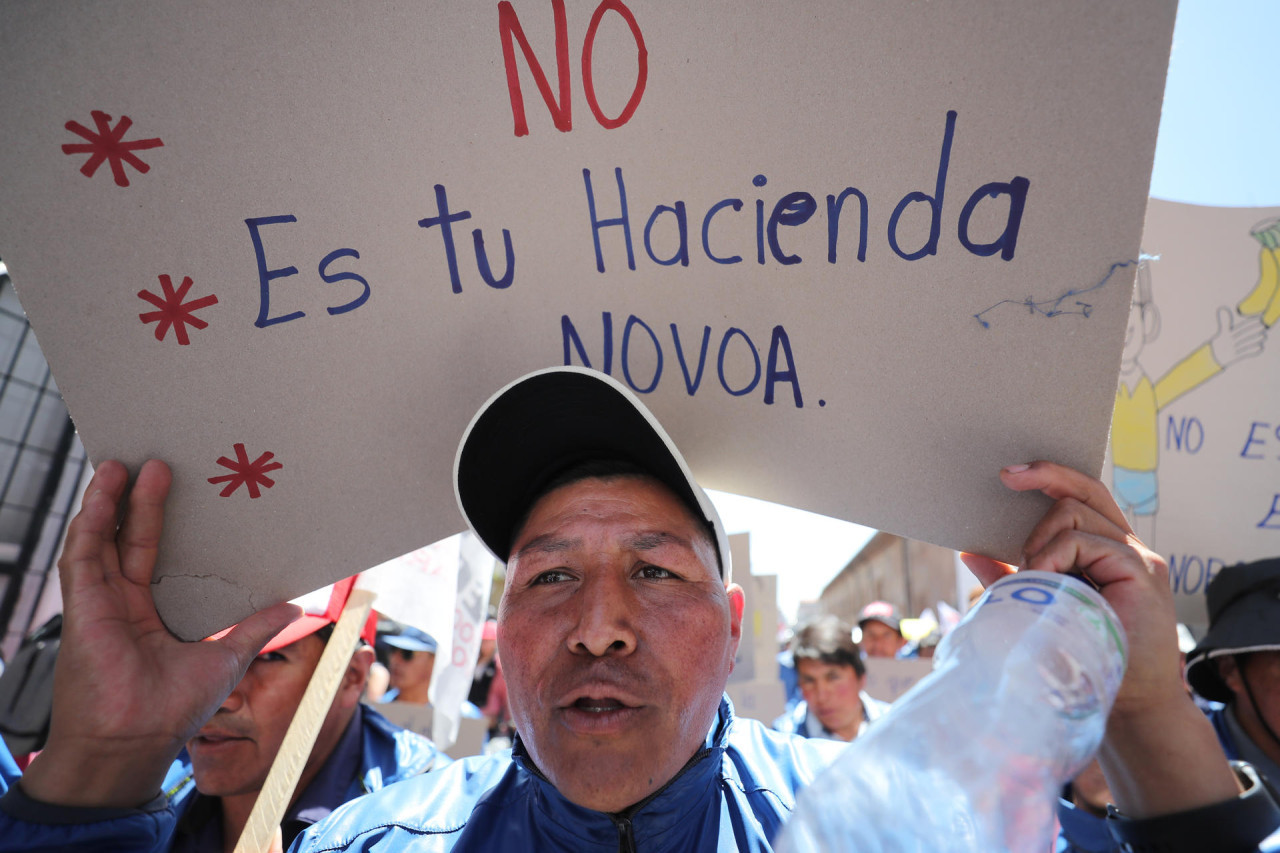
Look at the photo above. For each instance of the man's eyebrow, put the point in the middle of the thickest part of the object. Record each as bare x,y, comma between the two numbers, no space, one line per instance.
650,540
548,543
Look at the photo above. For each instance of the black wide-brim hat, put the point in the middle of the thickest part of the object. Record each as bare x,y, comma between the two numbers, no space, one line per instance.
548,421
1244,617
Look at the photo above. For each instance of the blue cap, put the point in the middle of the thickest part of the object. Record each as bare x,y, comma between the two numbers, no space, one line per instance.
411,640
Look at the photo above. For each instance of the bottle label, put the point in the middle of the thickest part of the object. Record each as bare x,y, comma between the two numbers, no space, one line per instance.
1082,646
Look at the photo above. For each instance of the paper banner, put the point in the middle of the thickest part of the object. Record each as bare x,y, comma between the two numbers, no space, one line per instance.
857,256
1195,445
453,676
442,589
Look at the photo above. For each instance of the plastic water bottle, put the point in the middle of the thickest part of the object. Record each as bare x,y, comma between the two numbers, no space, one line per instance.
972,758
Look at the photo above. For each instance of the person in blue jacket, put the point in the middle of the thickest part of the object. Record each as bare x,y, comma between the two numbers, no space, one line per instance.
1237,664
211,787
618,627
831,675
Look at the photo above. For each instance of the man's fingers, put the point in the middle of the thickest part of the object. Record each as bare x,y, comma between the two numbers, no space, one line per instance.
1059,481
1103,559
144,520
247,638
1071,514
89,553
987,570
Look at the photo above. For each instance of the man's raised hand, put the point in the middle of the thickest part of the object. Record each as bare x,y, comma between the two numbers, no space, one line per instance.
127,693
1160,754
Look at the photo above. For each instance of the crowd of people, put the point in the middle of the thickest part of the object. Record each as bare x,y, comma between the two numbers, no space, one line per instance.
615,637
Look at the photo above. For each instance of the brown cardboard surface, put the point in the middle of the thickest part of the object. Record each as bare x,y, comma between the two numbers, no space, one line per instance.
763,699
889,678
764,626
1216,450
887,389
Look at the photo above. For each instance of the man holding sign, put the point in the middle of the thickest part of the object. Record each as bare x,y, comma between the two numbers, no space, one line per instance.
619,624
213,785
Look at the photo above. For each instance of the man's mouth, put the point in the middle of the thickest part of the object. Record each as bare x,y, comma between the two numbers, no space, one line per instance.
601,716
598,705
215,739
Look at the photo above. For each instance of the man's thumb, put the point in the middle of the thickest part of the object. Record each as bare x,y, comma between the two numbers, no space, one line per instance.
247,638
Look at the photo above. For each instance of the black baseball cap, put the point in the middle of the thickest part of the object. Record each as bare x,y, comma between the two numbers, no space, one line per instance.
1244,616
548,421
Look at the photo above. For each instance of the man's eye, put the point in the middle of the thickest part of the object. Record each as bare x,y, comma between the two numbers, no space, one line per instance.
271,657
553,576
655,573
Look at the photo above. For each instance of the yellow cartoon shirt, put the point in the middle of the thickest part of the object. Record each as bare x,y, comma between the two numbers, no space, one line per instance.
1135,428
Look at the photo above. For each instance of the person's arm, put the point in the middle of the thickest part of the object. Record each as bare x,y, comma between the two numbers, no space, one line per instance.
128,694
1160,755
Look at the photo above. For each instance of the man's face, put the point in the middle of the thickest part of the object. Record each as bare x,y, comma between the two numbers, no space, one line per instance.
831,691
232,753
879,640
411,670
1262,669
617,638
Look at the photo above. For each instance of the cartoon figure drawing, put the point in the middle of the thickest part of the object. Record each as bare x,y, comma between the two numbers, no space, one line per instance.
1135,424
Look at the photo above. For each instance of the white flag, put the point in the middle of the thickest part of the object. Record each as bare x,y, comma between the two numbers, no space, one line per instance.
451,681
442,589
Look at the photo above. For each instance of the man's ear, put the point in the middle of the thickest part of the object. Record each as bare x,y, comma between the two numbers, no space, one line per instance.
1229,672
356,677
737,604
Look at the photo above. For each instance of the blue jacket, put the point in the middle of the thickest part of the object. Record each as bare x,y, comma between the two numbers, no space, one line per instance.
798,720
733,795
388,754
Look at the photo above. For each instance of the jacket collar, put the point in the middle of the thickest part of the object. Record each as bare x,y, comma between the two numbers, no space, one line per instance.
672,807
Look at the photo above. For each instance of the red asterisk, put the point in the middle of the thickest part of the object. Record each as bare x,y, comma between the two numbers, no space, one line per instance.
250,474
173,311
108,144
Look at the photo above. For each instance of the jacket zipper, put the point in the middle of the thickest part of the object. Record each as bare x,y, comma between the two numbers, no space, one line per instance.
626,840
626,837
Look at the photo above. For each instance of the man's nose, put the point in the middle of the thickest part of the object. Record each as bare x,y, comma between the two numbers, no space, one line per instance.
606,619
234,700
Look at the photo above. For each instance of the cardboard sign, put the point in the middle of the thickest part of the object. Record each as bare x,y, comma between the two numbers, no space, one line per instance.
762,699
1195,446
889,678
857,256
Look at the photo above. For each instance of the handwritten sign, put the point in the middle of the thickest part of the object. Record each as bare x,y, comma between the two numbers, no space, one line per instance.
856,256
1195,446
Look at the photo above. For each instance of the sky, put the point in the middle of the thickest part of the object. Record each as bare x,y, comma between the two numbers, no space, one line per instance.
1220,131
1219,144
